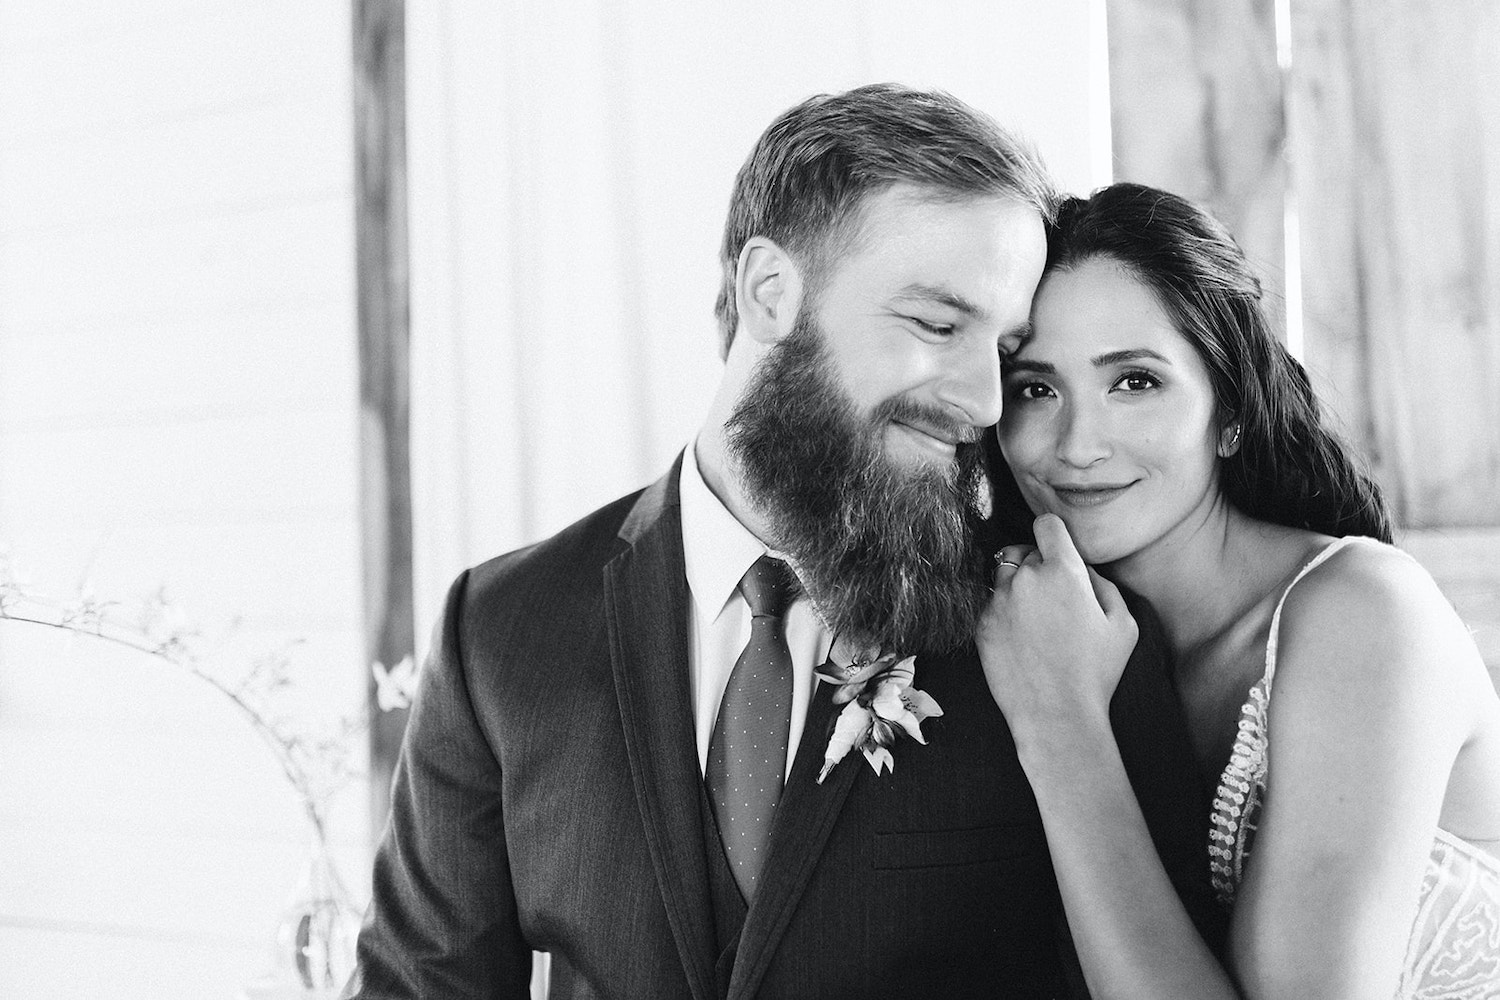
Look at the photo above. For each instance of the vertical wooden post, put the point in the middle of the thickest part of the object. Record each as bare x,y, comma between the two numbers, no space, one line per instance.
1396,146
1196,108
384,354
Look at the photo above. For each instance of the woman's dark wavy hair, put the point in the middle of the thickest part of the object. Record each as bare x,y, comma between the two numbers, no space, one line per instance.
1289,468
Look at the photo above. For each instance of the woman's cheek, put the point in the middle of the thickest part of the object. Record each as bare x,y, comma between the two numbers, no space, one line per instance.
1021,444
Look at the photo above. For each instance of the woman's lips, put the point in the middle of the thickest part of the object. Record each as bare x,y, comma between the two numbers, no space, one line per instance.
1088,496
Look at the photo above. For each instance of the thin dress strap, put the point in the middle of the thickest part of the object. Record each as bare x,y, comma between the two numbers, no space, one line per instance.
1242,786
1271,640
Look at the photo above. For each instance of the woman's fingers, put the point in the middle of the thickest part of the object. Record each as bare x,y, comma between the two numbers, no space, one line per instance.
1113,603
1055,544
1011,558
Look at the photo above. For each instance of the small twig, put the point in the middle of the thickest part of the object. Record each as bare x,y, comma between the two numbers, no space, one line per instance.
175,645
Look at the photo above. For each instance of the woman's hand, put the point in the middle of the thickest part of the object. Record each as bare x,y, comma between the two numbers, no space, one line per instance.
1053,640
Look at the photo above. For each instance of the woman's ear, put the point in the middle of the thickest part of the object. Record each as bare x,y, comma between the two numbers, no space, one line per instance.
1229,439
768,290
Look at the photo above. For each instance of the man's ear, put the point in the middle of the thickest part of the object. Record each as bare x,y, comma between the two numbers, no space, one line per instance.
768,290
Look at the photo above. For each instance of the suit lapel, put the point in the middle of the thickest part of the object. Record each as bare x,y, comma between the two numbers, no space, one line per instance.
647,616
804,819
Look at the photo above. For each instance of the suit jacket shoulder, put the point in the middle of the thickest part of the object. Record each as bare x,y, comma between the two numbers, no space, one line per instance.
535,598
569,560
514,822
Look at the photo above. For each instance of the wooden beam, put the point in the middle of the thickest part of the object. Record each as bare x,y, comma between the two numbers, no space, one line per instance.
1196,108
1396,145
384,361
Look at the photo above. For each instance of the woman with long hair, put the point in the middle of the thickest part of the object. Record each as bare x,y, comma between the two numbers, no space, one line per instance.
1172,446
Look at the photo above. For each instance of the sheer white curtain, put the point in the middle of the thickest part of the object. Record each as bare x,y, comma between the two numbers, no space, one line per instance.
570,168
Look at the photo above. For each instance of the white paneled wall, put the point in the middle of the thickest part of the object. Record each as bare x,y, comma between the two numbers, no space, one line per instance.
570,170
177,407
178,375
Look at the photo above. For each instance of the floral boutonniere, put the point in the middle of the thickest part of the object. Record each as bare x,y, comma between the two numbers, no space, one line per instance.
878,698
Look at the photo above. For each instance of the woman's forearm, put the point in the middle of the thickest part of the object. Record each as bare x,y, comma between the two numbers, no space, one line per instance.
1133,935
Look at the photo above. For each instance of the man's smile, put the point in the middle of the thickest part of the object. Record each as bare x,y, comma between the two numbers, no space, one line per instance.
940,441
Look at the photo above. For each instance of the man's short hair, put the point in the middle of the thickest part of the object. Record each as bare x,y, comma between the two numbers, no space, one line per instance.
810,172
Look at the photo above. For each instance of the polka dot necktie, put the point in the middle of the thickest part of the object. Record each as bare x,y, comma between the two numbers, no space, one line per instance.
747,754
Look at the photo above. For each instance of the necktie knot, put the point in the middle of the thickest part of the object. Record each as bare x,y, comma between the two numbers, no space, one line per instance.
768,587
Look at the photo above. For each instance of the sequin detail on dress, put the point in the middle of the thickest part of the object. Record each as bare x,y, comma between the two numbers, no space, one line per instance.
1454,949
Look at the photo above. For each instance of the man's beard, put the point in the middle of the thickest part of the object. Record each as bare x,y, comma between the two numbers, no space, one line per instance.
889,555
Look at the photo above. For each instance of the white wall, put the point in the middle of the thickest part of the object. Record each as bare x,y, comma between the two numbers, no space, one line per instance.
178,372
178,408
570,170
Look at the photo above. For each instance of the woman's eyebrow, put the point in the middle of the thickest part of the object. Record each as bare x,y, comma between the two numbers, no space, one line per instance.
1015,364
1132,354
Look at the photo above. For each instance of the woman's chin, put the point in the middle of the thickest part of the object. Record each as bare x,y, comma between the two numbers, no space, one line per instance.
1096,547
1095,538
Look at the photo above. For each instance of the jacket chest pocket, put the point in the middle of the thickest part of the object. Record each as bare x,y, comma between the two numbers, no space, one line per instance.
951,806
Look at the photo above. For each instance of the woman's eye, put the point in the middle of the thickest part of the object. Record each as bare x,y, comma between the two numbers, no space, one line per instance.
1033,390
1137,382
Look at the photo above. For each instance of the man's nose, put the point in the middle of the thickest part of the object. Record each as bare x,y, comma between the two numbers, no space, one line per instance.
972,385
1082,437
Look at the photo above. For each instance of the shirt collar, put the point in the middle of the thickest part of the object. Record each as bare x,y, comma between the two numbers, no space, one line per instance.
717,549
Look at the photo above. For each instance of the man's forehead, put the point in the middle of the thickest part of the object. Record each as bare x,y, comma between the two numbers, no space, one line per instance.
893,200
913,245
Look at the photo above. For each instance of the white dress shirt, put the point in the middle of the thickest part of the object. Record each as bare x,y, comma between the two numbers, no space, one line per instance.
718,551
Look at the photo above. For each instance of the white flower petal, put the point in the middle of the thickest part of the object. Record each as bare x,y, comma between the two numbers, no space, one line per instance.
903,673
922,704
912,725
887,702
879,758
851,729
390,692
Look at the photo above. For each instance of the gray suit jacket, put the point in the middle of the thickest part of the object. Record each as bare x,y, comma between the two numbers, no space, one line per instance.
548,797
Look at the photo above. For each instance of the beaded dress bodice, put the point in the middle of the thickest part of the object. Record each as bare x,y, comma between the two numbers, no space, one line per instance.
1454,949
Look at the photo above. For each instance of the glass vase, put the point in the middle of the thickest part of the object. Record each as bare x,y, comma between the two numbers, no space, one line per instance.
313,951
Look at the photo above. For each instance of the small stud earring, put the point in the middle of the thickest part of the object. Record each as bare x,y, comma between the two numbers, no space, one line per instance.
1225,450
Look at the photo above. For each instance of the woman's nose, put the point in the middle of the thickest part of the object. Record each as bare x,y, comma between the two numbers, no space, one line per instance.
1083,437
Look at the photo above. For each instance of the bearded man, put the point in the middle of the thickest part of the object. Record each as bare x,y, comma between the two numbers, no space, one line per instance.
617,755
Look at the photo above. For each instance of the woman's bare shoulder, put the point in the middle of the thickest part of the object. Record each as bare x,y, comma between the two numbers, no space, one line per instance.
1370,584
1370,615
